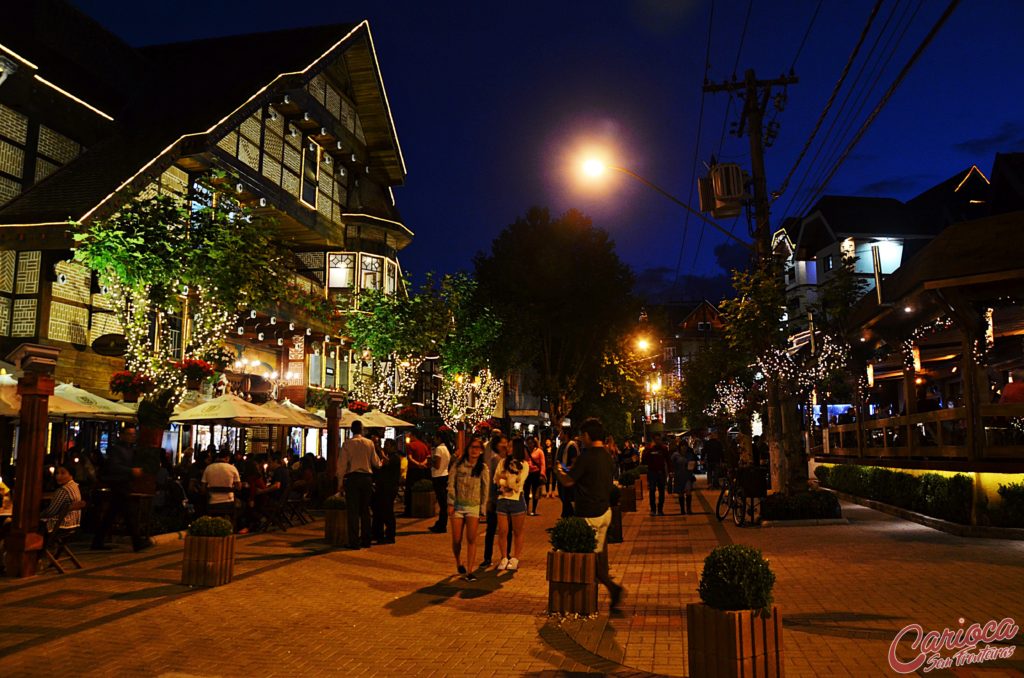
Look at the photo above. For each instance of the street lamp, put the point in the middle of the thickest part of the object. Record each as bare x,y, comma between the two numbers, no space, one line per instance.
594,167
643,344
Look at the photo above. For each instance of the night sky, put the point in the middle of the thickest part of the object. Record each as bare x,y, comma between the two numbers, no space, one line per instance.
494,103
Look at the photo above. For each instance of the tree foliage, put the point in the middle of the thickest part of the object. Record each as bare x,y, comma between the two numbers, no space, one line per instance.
563,297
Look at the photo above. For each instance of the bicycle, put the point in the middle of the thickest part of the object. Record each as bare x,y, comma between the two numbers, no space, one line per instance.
741,496
727,497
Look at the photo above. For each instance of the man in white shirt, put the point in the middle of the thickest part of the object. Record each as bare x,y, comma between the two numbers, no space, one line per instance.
356,463
440,460
217,477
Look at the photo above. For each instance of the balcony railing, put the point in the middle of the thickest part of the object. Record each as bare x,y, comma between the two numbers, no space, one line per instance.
941,434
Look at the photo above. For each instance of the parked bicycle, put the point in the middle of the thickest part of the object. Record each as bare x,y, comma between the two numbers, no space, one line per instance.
741,495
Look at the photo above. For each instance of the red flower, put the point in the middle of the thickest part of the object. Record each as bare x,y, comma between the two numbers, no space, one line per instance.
126,381
358,406
195,369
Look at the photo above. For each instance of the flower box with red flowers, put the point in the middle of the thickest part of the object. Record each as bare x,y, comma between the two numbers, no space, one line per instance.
358,406
195,370
128,382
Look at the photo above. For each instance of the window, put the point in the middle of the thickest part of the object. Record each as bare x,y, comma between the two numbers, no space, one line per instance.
703,327
371,266
310,173
341,271
392,278
828,263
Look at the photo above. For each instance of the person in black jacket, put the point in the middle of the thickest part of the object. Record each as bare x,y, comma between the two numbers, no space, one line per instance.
385,489
117,475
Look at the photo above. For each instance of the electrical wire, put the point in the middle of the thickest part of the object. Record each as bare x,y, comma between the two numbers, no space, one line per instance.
807,34
826,140
881,66
696,150
888,94
828,104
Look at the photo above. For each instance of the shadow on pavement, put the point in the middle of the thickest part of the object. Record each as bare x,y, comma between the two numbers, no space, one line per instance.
452,586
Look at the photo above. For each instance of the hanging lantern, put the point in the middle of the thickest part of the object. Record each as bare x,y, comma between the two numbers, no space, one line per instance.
871,375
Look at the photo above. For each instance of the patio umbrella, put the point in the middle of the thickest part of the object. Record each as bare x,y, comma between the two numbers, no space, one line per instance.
314,421
378,419
294,415
232,410
66,401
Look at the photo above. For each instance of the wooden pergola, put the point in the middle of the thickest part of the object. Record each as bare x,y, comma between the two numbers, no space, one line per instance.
954,318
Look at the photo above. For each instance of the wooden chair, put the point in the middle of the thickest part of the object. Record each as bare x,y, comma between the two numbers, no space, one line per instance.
297,503
55,542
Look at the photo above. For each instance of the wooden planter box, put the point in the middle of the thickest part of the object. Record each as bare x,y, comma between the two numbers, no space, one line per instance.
730,644
572,583
615,529
336,527
423,503
627,499
208,561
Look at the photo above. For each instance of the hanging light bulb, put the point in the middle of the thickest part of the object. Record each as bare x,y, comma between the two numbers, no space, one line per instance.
273,320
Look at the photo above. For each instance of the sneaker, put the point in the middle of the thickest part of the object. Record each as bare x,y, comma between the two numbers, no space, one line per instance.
513,564
660,512
470,577
462,569
484,565
503,564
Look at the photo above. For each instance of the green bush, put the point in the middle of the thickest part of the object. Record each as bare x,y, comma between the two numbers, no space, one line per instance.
573,535
1010,511
210,526
737,577
641,470
423,485
804,506
629,478
948,498
821,473
335,502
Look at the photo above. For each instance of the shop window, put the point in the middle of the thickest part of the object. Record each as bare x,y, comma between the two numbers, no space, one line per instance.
341,271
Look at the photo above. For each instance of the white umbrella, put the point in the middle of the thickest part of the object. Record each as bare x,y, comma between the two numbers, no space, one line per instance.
294,415
230,409
92,404
378,419
313,420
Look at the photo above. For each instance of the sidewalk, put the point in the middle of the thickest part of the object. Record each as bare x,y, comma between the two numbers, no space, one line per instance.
298,608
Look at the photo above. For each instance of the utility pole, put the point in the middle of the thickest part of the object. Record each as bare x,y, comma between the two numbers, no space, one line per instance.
781,425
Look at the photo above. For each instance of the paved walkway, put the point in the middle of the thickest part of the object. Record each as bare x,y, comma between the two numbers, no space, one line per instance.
298,608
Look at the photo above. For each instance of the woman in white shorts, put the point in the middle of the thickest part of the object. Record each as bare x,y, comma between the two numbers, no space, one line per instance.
468,486
509,477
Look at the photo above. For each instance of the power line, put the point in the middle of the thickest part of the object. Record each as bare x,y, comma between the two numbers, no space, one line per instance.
828,104
885,57
696,149
810,169
807,34
888,94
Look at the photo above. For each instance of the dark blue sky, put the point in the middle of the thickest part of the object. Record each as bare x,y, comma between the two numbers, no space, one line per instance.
492,101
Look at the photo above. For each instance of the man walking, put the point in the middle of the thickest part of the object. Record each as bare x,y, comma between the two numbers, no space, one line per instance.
591,476
440,460
656,459
118,474
356,463
568,450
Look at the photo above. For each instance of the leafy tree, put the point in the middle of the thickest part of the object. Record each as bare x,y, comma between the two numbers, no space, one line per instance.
563,297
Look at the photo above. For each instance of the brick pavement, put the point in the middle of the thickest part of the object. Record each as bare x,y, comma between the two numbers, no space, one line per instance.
299,608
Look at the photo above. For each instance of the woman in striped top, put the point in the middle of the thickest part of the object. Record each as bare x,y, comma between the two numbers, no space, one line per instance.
468,487
67,493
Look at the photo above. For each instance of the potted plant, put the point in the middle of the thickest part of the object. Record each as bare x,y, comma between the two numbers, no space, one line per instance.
735,631
423,499
627,491
336,520
195,372
130,385
572,568
209,555
358,407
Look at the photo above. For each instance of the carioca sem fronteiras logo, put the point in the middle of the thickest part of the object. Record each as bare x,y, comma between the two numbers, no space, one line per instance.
945,649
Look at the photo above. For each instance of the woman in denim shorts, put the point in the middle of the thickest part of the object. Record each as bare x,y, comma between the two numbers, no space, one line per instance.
468,487
509,477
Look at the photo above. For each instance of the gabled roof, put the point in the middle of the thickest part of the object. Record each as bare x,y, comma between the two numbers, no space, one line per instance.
196,90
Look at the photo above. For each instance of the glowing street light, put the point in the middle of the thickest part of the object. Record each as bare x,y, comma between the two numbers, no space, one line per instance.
592,167
643,344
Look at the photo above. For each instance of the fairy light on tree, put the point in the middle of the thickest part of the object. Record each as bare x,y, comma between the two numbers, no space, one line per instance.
462,400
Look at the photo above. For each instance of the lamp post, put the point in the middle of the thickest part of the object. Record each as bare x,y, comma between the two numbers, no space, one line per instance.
594,168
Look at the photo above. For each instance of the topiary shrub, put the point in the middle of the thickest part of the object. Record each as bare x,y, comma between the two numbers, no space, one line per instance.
573,535
737,577
423,485
1009,512
335,502
210,526
813,505
641,470
628,479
